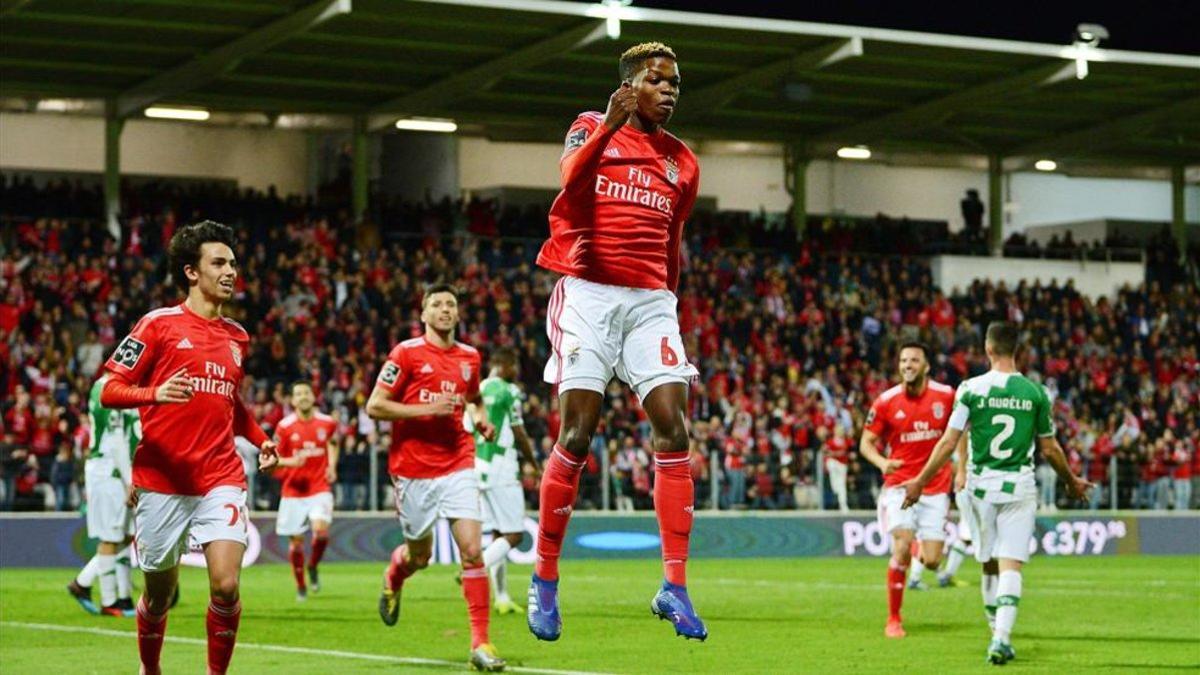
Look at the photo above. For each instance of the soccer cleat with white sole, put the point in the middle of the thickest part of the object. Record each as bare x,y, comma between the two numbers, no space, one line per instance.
672,603
542,613
485,658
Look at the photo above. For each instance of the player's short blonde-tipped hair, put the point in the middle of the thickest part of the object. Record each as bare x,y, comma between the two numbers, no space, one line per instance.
635,57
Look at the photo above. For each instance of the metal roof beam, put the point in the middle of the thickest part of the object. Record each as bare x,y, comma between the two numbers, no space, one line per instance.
931,112
1122,129
204,68
711,97
438,94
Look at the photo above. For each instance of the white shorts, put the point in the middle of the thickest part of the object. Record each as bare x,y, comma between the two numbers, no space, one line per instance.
963,500
297,513
1002,530
421,501
503,509
108,519
598,330
927,517
164,522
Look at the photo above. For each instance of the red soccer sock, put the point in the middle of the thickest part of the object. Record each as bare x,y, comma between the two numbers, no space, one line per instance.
560,485
895,588
223,620
296,555
151,628
319,542
674,500
475,590
397,569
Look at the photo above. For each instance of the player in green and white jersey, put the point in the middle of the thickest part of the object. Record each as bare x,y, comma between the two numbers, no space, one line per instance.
498,469
1006,415
108,474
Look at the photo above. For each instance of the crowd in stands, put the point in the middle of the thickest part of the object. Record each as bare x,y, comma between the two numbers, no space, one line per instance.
793,341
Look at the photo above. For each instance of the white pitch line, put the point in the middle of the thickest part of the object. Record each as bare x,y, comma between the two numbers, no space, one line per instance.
398,660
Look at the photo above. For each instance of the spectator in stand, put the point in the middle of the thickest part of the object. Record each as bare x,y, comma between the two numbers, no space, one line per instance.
836,450
62,478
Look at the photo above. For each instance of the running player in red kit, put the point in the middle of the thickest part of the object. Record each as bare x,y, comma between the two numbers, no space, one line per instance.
909,418
308,455
182,367
425,387
616,228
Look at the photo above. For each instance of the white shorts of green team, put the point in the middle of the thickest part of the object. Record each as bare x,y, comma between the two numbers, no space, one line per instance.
927,518
108,518
598,330
503,508
1002,530
421,501
163,523
297,513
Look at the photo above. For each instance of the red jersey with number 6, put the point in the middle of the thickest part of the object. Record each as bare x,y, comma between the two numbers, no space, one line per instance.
625,196
186,448
910,426
308,439
418,372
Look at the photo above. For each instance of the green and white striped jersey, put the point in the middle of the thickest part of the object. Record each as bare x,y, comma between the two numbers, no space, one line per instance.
496,462
115,436
1004,414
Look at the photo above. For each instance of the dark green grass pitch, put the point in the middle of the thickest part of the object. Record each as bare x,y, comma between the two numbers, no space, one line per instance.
1126,614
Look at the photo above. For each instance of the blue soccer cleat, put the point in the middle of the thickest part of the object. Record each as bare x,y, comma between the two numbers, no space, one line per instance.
544,620
83,595
672,603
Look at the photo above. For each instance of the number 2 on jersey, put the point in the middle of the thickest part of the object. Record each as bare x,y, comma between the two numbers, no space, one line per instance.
1010,425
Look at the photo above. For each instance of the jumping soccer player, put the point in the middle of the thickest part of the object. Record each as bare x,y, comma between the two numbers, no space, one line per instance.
425,387
909,418
308,455
107,475
1005,413
498,469
182,367
616,228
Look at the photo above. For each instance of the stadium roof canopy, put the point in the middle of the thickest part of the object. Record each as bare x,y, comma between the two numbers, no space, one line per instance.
522,69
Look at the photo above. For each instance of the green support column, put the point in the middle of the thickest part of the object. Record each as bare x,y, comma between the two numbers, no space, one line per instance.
112,168
360,179
797,160
995,207
1178,221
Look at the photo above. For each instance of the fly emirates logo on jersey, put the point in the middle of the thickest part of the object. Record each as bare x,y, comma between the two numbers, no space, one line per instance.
213,382
447,392
637,190
920,432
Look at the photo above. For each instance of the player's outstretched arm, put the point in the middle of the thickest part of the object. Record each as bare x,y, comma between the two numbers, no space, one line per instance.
960,470
525,445
1077,487
119,392
868,448
380,406
941,454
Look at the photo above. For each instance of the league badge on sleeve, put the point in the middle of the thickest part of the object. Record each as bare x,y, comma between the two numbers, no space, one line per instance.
389,374
129,352
576,139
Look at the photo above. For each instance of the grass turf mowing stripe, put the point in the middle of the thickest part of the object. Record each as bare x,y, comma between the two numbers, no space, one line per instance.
398,660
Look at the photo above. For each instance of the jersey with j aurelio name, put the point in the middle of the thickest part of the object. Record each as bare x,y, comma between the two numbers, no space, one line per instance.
1004,414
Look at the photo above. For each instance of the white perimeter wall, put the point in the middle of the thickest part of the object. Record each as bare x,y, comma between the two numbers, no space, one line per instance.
254,158
1092,279
863,189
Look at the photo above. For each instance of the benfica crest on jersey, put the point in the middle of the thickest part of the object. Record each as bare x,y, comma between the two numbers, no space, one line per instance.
466,372
939,410
237,353
672,169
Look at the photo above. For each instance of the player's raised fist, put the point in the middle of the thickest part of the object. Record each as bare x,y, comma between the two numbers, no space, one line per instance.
268,458
177,389
621,106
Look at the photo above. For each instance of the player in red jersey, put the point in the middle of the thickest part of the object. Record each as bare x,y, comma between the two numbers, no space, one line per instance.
182,367
616,228
909,418
308,455
425,387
